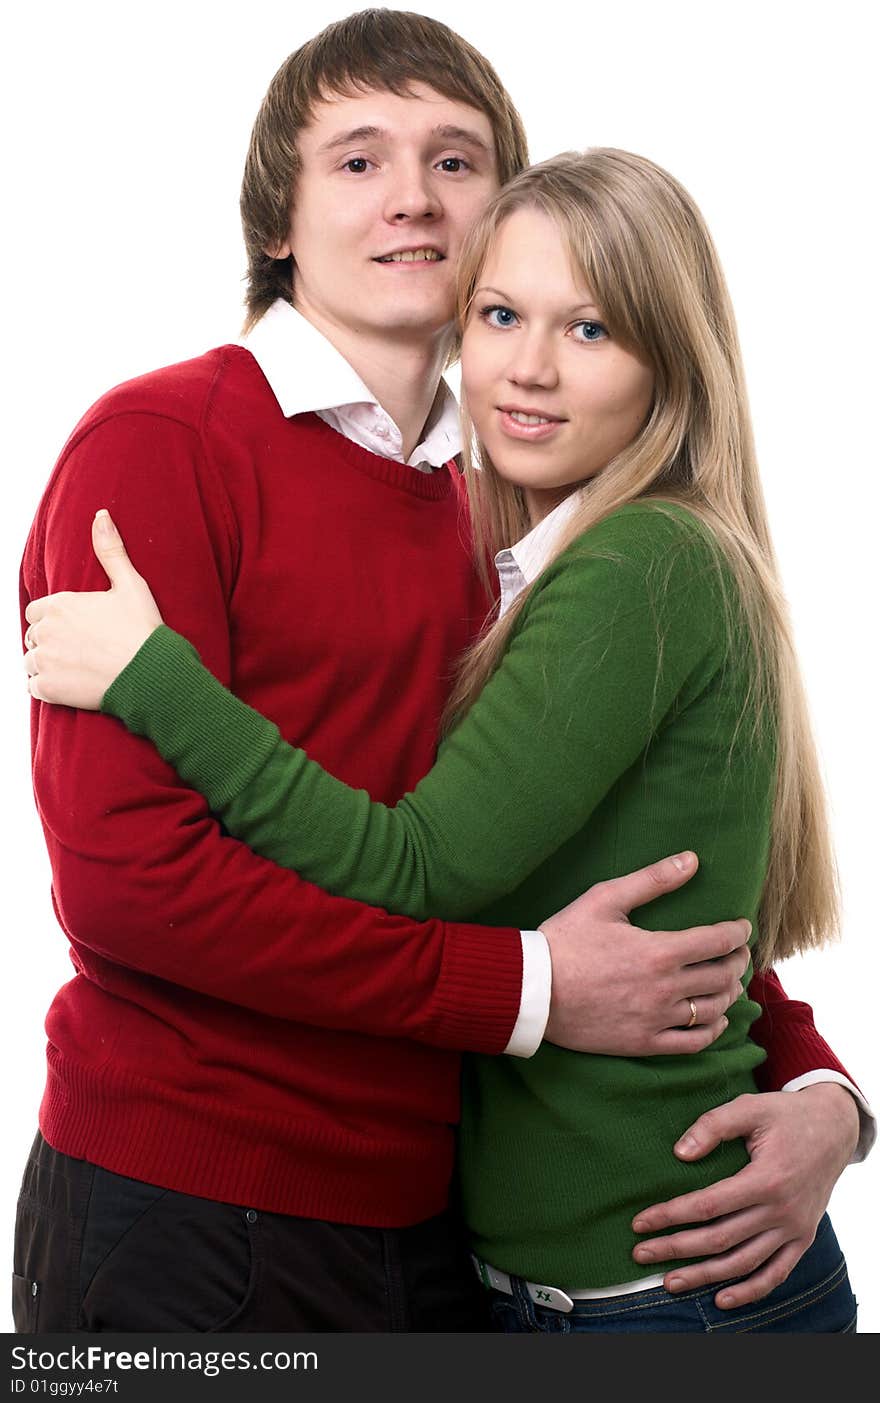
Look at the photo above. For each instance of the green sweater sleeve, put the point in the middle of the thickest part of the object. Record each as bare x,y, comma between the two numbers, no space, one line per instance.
615,635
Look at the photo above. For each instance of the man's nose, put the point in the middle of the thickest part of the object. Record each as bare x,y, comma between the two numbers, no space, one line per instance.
412,195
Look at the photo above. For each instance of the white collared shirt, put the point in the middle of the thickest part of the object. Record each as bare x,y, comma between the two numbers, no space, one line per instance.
307,374
521,564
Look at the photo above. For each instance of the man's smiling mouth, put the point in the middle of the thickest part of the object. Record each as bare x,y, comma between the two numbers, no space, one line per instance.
411,255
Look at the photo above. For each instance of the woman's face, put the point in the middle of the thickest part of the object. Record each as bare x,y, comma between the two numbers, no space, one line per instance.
553,397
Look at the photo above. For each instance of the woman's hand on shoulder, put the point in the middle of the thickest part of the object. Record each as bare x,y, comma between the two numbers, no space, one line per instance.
78,643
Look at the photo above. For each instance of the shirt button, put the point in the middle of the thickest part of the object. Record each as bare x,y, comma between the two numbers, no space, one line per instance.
251,1215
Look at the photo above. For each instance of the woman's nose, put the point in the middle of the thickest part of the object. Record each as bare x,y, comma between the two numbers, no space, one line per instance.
532,363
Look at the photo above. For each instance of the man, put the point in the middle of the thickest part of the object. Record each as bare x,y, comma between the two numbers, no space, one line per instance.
251,1084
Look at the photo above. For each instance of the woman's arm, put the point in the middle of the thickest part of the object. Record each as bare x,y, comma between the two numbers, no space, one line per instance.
755,1192
615,633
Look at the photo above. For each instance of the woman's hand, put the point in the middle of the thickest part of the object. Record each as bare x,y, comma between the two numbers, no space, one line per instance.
77,644
759,1223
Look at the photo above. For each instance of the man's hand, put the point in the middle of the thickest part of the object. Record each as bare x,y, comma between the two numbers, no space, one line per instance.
759,1223
77,644
628,992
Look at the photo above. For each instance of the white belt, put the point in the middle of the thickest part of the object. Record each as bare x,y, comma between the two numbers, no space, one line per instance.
548,1296
553,1297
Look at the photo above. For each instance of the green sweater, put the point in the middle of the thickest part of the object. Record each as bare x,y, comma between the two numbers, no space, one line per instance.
615,730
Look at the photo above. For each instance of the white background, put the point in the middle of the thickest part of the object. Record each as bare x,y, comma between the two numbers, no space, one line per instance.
126,129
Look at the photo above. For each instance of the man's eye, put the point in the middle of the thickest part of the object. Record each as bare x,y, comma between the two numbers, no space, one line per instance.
452,164
589,331
498,316
357,165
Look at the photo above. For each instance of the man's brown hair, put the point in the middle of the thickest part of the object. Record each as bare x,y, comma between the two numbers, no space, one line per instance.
384,50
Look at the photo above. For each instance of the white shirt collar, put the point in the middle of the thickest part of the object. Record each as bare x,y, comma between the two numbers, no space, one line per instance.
307,374
520,565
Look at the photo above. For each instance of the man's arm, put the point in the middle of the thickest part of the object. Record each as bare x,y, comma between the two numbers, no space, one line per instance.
759,1223
798,1056
144,877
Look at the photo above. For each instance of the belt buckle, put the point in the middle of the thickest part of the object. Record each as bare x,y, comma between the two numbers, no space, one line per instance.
550,1297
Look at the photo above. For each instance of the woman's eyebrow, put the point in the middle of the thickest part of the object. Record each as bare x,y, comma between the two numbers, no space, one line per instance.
505,297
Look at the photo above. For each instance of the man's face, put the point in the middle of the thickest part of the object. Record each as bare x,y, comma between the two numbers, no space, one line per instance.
387,190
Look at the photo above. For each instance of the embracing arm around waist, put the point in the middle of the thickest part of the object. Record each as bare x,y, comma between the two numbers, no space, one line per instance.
616,636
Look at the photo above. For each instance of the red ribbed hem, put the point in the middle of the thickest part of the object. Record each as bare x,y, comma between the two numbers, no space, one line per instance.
479,991
308,1169
793,1047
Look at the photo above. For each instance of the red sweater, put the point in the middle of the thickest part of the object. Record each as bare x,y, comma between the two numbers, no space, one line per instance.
232,1031
197,1046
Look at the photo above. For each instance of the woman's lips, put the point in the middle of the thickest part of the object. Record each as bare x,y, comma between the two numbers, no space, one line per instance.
528,425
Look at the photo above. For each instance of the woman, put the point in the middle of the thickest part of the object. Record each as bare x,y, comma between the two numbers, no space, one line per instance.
637,694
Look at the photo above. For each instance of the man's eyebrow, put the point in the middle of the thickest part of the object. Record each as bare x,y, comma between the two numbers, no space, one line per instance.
352,137
449,132
463,134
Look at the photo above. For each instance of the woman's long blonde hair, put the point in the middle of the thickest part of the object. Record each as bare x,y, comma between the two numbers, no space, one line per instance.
639,244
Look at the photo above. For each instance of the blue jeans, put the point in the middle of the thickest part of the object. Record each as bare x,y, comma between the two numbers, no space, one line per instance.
815,1299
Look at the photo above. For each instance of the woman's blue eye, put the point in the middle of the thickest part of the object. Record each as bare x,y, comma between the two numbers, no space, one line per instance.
498,316
592,331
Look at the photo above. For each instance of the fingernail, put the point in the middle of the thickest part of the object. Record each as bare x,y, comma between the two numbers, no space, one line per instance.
104,523
643,1254
676,1283
686,1145
725,1300
683,861
640,1225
